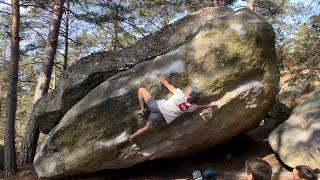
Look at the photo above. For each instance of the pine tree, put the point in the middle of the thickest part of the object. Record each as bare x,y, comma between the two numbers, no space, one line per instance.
29,144
9,147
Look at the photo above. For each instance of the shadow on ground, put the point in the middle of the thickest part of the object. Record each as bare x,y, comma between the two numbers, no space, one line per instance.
228,160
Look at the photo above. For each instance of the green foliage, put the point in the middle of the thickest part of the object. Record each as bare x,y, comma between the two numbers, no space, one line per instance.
306,52
272,9
194,5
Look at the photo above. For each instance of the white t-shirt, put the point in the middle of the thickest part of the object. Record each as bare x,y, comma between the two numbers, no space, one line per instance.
175,106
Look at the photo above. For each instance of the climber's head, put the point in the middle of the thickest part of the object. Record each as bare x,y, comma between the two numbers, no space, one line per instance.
194,95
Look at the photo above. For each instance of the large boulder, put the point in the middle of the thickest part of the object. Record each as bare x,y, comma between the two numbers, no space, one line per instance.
90,71
297,141
231,56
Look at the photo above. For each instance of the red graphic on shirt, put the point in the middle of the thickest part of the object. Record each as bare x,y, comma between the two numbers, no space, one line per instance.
183,106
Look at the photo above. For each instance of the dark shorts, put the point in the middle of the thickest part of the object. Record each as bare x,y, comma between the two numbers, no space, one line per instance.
155,116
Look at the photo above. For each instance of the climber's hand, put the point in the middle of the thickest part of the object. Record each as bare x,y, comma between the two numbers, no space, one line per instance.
159,75
212,104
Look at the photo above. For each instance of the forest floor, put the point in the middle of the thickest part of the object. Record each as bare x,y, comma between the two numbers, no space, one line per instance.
228,161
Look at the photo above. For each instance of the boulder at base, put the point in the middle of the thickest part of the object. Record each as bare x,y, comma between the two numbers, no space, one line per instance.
231,57
297,141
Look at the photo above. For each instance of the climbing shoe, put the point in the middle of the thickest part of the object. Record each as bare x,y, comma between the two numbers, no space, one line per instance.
141,113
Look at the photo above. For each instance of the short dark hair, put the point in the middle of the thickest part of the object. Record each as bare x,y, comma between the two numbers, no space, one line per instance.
307,173
194,97
259,168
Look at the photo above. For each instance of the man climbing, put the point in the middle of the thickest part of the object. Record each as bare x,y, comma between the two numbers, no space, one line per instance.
167,110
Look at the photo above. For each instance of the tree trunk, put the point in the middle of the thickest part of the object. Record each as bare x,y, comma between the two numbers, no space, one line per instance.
115,40
115,25
9,146
115,30
166,13
66,43
29,144
51,47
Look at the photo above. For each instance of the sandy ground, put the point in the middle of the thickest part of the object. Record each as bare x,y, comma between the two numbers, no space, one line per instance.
227,159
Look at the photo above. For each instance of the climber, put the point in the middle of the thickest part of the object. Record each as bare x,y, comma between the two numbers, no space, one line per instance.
170,109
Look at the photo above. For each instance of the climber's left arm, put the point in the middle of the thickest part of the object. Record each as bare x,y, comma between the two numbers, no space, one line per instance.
210,105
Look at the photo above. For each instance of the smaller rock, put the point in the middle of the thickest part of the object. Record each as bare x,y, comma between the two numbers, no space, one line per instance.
297,141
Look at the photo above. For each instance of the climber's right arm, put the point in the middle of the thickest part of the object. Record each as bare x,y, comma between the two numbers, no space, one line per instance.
165,82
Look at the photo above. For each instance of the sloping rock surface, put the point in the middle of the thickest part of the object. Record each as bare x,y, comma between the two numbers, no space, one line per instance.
229,55
90,71
297,141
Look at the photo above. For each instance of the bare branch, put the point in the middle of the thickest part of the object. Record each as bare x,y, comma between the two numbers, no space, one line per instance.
5,12
2,2
27,81
103,43
62,34
30,63
40,35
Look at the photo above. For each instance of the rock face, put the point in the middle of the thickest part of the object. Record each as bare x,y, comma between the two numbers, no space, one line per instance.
90,71
229,55
297,141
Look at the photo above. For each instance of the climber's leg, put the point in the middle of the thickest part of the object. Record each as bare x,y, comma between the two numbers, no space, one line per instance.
143,96
141,131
